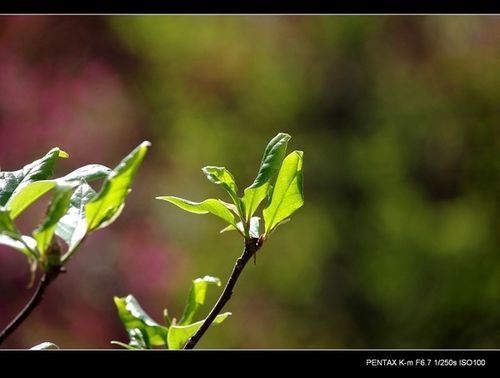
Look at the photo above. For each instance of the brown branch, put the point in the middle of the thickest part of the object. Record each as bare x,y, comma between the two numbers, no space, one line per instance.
35,300
252,245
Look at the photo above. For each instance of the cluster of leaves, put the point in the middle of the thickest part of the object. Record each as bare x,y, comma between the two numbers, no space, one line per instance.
145,333
278,181
74,211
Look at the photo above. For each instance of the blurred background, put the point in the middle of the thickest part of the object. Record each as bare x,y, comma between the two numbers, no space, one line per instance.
398,244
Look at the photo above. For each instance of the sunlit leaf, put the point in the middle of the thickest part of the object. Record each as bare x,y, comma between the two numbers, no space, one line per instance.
287,195
269,167
34,190
57,208
134,317
44,346
106,206
72,227
254,227
11,237
6,225
178,335
24,244
221,176
211,206
41,169
196,297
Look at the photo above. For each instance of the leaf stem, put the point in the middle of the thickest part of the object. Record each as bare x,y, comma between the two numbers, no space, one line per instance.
35,300
252,245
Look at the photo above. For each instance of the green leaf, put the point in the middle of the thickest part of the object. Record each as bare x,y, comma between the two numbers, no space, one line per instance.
44,346
24,244
29,194
57,208
252,198
287,195
254,227
178,335
221,176
107,205
134,317
11,237
87,173
72,227
196,297
271,160
139,339
34,190
211,206
6,225
269,167
41,169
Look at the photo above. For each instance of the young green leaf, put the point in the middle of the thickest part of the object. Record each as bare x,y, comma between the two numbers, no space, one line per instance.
254,227
57,208
44,346
287,195
269,167
23,244
134,317
34,190
107,205
11,237
29,194
72,227
178,335
41,169
221,176
6,224
212,206
196,297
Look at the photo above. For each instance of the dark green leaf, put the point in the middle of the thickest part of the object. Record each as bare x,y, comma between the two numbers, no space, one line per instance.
107,205
212,206
196,297
287,195
178,335
134,317
41,169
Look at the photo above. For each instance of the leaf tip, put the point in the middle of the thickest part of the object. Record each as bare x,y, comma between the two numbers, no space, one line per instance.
285,136
63,154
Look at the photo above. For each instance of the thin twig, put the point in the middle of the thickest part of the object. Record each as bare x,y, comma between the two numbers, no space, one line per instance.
252,245
44,282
